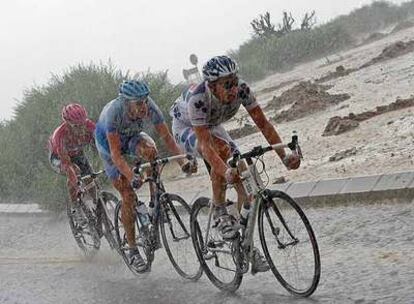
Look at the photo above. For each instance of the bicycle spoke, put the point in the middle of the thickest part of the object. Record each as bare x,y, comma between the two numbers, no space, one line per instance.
289,244
175,227
215,254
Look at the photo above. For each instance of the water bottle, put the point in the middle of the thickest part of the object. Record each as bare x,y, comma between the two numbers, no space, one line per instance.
151,210
244,214
143,214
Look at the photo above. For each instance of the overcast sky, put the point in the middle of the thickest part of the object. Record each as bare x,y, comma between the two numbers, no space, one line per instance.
40,37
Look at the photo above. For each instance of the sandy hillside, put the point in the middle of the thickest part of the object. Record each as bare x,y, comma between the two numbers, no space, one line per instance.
381,144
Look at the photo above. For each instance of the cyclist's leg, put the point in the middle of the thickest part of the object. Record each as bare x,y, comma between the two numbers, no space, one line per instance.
122,185
227,146
128,220
225,223
127,212
83,163
222,139
143,146
56,165
84,167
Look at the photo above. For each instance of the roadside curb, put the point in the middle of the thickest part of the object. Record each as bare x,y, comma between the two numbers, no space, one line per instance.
393,187
373,188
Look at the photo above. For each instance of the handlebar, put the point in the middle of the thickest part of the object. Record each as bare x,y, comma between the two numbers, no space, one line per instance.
82,187
260,150
93,175
158,161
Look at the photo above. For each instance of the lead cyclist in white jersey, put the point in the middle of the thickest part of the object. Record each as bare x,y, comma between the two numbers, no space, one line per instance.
197,117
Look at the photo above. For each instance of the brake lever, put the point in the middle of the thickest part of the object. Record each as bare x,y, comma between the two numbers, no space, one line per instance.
136,169
299,151
294,145
233,162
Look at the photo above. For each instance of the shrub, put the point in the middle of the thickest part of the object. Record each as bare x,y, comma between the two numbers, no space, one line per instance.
261,56
25,174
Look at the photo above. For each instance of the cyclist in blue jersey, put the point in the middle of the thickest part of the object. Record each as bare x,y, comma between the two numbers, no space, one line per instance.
119,132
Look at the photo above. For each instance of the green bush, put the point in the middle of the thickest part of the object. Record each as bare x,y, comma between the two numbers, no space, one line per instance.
259,57
25,174
262,56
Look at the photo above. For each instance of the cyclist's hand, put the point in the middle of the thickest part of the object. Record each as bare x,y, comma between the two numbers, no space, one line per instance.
232,176
189,167
136,182
78,191
291,161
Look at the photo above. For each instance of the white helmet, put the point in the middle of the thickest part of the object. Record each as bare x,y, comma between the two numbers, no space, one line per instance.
218,67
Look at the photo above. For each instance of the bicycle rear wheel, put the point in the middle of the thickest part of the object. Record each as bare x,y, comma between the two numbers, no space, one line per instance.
143,246
84,232
176,236
289,243
218,258
109,201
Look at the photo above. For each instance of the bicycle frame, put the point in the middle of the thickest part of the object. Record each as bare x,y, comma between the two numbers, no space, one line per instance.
157,167
94,184
254,187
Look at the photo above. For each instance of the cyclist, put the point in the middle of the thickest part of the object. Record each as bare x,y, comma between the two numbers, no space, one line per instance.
119,132
66,147
198,115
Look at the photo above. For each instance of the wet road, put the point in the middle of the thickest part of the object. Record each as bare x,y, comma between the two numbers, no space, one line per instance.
367,254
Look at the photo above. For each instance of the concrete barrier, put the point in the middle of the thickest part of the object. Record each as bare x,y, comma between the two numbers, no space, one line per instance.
373,188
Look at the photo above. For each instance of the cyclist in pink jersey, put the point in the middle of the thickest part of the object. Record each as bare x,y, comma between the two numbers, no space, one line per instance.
67,143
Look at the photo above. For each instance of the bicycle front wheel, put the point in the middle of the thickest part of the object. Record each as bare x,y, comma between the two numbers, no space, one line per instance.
289,243
121,238
176,236
83,230
109,201
220,259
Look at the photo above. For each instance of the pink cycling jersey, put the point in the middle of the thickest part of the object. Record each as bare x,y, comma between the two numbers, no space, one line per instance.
64,141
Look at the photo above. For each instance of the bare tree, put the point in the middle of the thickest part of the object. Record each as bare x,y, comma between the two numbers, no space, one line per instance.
262,26
288,21
308,21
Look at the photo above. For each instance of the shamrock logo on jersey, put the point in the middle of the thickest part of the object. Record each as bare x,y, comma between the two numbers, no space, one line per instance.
200,105
244,91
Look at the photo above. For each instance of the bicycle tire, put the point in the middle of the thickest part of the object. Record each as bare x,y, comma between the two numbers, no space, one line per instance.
180,233
285,231
110,201
123,245
233,284
88,248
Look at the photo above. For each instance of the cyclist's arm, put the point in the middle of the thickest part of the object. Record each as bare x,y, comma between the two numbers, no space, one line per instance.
91,128
115,146
68,167
267,129
205,145
166,136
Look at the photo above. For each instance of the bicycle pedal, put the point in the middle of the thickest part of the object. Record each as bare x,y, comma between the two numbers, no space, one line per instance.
232,239
209,256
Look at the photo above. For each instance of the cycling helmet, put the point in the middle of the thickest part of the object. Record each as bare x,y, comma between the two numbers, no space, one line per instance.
133,89
74,113
218,67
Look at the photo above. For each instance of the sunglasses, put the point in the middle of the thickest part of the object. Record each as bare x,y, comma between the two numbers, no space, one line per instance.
76,124
230,84
140,100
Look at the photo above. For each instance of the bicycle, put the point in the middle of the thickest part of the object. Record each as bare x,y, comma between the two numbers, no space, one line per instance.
281,224
171,216
95,219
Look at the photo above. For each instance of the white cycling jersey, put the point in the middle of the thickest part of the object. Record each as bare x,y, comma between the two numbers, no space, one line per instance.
197,106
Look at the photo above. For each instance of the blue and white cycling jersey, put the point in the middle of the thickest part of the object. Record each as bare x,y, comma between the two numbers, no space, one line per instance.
197,106
114,118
